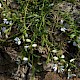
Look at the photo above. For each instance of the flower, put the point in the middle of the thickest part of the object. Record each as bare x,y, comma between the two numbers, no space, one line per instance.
5,21
67,65
34,45
55,67
28,40
72,60
69,74
74,43
61,69
3,29
26,35
6,36
25,59
61,21
4,0
63,29
62,56
25,47
0,5
17,41
10,23
69,70
55,58
54,51
4,14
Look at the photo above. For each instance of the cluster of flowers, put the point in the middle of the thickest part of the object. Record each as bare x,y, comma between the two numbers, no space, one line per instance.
7,22
59,67
3,29
18,42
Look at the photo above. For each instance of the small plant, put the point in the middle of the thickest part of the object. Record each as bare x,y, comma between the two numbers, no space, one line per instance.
41,29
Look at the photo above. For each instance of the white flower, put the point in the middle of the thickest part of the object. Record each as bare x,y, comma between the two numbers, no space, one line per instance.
72,60
67,65
62,56
25,59
54,51
69,75
4,20
6,36
17,41
55,66
69,70
10,23
25,47
61,21
55,58
61,69
34,45
4,14
4,0
26,35
63,29
3,29
0,5
69,41
28,40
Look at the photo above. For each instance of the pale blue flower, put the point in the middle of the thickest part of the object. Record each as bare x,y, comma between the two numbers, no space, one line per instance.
3,29
17,41
55,67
